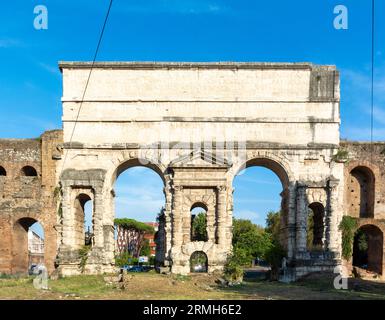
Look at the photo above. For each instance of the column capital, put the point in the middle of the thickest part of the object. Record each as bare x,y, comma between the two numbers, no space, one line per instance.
221,188
178,188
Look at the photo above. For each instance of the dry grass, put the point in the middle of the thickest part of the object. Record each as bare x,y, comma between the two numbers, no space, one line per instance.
154,286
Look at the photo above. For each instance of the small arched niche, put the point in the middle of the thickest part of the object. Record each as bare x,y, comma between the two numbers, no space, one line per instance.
315,226
198,262
83,220
361,192
28,171
198,224
3,172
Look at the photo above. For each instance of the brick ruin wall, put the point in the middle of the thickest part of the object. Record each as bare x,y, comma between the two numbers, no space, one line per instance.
27,197
365,196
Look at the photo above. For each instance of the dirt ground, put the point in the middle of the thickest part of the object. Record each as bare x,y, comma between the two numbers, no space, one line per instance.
153,286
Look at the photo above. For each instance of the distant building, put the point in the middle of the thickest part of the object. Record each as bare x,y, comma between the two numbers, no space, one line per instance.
126,240
35,248
151,237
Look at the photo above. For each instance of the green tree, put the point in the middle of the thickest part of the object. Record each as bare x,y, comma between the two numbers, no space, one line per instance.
145,250
133,232
198,228
250,241
273,224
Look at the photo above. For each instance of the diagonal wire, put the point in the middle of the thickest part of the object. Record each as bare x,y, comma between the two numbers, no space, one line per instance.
88,79
372,82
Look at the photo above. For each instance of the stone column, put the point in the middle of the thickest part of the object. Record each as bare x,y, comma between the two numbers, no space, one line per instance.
97,218
167,224
290,202
332,218
229,217
68,236
301,218
177,215
221,215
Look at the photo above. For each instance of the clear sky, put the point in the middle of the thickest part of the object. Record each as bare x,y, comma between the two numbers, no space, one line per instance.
186,30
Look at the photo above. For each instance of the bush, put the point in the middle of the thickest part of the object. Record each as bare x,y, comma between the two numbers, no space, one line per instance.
233,272
274,256
122,259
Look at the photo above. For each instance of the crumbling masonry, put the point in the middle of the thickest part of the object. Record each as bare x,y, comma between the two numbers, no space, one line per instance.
197,125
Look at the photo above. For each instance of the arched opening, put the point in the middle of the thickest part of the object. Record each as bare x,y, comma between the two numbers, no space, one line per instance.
83,220
28,245
198,222
368,249
88,222
315,227
198,262
260,206
139,200
29,171
2,171
361,192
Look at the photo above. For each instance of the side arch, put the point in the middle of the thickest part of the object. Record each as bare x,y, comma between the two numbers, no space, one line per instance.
20,250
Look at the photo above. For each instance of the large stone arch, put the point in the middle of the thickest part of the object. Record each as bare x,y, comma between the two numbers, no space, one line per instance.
281,168
131,160
270,160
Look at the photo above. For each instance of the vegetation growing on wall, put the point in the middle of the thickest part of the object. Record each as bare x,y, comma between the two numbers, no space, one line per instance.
342,155
83,254
348,227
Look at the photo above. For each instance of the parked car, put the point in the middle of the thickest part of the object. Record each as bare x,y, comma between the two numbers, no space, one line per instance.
147,268
136,269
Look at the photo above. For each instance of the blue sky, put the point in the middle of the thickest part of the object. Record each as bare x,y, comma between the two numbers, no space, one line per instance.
185,30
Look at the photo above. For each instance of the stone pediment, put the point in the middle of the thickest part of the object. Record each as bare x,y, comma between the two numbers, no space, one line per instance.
200,159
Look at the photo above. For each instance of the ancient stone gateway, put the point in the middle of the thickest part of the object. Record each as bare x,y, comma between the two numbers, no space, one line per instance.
197,125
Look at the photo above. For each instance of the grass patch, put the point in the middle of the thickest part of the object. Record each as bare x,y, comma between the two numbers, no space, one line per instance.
195,287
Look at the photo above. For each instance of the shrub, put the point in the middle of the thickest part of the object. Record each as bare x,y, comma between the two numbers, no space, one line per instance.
274,256
122,259
233,272
83,254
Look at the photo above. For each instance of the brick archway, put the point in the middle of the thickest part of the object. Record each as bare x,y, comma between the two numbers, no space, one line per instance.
371,257
21,254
